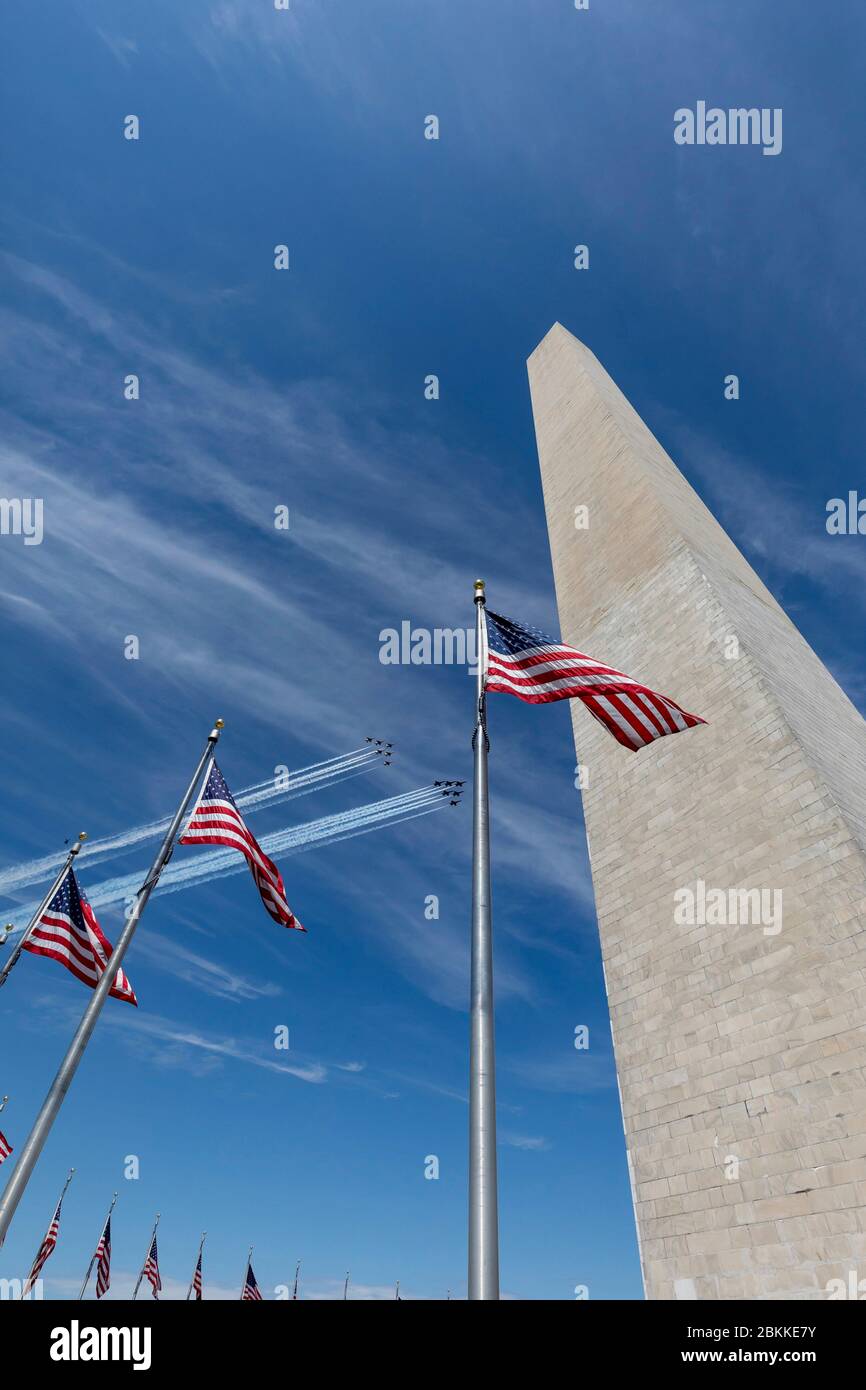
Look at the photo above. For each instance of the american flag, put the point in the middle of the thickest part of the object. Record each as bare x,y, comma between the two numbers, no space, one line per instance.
103,1261
525,662
196,1280
68,932
5,1147
45,1249
151,1269
252,1293
216,820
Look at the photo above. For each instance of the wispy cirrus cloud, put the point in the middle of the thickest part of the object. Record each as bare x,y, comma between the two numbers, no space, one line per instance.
579,1072
208,976
175,1045
124,50
530,1143
758,513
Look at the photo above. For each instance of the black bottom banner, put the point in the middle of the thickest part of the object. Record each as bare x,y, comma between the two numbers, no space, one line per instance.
65,1339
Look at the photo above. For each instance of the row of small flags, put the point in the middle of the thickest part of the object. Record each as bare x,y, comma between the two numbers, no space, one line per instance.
250,1291
67,930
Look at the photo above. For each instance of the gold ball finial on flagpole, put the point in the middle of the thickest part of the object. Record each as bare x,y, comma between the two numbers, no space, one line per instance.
82,834
219,723
479,591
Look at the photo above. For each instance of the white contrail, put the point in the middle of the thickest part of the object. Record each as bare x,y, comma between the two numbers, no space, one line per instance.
200,868
253,798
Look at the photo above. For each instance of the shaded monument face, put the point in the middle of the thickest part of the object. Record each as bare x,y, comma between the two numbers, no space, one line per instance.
729,869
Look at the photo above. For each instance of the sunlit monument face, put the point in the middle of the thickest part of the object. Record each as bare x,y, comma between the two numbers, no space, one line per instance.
729,868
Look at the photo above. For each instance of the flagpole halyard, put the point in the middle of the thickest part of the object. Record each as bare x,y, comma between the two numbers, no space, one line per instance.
60,1085
483,1200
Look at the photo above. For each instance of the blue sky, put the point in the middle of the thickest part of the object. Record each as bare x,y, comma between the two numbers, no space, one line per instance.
306,389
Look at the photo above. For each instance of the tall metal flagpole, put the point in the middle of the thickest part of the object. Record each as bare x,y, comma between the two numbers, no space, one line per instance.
195,1266
28,930
60,1085
297,1272
93,1256
146,1258
483,1204
346,1287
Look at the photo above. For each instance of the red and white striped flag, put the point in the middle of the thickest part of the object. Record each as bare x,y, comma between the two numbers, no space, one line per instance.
196,1280
68,932
45,1249
5,1147
216,820
103,1261
525,662
151,1268
252,1293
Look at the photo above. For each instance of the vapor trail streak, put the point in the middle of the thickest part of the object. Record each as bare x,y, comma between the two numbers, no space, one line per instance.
201,868
253,798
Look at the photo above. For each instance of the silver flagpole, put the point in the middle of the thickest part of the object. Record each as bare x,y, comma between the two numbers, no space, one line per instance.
28,930
346,1287
297,1272
483,1214
195,1267
3,1103
25,1290
60,1085
146,1257
246,1272
93,1256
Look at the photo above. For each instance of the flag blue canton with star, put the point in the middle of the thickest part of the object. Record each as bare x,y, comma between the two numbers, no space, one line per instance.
507,637
216,820
68,932
526,662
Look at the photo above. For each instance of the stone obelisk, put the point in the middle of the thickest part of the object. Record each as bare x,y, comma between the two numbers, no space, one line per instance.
728,865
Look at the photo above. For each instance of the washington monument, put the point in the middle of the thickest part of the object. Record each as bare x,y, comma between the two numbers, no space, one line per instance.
728,865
